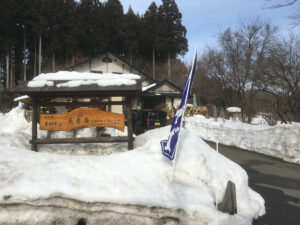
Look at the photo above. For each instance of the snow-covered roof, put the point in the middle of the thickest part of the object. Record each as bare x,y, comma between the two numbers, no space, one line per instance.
233,109
148,87
21,98
76,79
65,83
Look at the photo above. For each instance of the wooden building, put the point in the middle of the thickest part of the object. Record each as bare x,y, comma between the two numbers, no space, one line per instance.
155,93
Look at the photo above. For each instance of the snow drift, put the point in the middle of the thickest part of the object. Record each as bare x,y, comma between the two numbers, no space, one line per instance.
280,141
131,187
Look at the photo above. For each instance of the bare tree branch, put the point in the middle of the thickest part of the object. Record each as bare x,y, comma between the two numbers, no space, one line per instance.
274,4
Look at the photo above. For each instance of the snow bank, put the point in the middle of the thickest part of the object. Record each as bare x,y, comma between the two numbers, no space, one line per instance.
137,178
76,79
280,141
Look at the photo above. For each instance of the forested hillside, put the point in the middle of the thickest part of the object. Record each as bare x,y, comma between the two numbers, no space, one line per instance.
64,32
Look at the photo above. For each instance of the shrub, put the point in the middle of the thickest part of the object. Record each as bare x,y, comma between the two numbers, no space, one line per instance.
7,101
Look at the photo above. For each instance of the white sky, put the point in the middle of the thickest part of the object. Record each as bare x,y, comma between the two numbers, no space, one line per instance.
204,19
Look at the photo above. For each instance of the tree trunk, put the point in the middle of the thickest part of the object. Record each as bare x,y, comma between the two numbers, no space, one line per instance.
34,61
53,62
24,60
7,70
67,58
40,53
169,67
73,60
153,63
12,72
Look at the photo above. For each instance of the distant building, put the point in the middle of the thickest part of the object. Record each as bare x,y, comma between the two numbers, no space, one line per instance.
155,94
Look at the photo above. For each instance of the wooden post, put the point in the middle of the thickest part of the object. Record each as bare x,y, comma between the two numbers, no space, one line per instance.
129,123
34,124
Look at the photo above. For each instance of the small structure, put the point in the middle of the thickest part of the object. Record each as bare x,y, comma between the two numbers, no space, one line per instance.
161,93
46,89
155,93
234,112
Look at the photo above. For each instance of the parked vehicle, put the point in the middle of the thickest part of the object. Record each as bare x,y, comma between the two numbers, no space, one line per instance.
144,120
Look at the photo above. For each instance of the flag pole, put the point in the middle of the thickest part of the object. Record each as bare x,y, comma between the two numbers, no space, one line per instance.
174,161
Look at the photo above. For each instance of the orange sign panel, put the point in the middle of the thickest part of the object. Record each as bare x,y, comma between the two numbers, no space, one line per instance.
80,118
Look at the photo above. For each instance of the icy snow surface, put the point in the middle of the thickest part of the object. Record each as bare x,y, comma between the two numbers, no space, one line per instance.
76,79
282,140
137,177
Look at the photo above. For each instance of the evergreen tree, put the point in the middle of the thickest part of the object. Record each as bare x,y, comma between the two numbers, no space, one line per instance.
86,14
149,32
171,32
149,37
113,27
132,34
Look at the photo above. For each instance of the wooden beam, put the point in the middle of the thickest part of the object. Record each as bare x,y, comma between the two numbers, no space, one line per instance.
83,103
80,140
129,123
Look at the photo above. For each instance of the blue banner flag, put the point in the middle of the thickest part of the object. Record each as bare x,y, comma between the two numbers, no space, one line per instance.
169,146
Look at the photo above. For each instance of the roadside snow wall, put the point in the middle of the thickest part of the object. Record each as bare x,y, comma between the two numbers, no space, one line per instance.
281,141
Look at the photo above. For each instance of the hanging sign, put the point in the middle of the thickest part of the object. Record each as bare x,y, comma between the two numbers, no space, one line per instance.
81,118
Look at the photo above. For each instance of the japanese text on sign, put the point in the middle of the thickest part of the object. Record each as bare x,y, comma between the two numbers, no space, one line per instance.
80,118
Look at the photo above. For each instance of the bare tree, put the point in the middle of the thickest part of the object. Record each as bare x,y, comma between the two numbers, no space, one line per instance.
239,63
282,78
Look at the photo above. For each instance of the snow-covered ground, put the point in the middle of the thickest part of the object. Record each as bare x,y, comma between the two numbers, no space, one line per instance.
281,140
130,187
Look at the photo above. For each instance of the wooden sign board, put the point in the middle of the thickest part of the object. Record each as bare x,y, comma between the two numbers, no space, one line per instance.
80,118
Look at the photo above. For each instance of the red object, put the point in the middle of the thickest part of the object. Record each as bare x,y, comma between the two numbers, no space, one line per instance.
148,121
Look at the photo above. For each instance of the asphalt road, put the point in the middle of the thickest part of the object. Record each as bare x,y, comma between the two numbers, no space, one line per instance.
278,182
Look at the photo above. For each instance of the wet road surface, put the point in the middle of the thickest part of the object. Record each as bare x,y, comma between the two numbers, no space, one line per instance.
277,181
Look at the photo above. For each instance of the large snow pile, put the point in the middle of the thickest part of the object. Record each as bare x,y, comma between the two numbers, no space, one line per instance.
76,79
281,141
136,178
